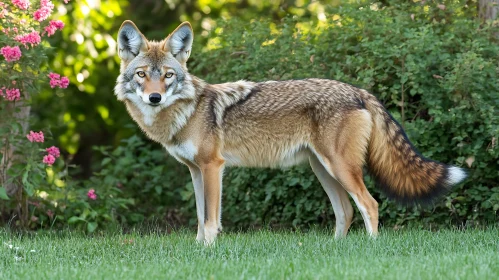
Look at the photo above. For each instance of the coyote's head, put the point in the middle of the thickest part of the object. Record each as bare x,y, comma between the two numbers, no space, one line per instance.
154,73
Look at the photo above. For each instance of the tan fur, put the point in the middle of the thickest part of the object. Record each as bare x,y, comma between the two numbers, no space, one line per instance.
392,157
334,126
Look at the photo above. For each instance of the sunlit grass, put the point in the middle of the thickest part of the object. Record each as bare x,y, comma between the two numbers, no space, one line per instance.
405,254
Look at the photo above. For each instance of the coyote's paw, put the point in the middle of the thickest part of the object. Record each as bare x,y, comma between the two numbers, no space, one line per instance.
200,238
200,235
210,234
373,235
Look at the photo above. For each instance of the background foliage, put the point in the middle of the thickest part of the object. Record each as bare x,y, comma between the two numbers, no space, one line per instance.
435,68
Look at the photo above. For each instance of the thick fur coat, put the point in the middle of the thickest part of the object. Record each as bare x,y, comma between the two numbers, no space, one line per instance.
334,126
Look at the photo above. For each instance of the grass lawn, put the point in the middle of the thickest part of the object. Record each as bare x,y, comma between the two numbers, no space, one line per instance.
404,254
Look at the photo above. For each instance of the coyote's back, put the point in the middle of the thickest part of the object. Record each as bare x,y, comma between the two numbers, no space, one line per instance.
277,122
282,123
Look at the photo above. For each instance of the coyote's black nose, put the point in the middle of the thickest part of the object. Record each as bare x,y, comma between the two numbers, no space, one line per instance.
155,97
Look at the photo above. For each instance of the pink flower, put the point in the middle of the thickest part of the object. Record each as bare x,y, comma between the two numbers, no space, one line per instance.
53,26
13,94
91,194
46,7
50,213
11,53
35,137
57,81
32,38
53,151
54,83
49,160
41,14
64,82
54,79
66,1
21,4
53,75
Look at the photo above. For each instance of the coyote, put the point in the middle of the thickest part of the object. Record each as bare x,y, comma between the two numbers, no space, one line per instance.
336,127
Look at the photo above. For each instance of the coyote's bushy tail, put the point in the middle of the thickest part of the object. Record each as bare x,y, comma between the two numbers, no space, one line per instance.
399,170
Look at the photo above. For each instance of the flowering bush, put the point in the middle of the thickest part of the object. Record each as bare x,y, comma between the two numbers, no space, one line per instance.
25,163
11,53
31,173
23,26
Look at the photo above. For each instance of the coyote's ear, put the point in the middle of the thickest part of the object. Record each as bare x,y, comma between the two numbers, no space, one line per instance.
179,42
130,41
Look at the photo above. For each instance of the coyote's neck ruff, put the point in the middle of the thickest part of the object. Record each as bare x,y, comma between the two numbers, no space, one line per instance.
336,127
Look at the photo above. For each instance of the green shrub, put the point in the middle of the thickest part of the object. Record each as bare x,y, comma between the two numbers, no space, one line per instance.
145,175
134,184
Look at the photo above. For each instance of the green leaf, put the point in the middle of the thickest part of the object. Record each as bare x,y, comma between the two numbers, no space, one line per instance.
29,188
105,161
91,226
25,175
3,193
74,219
158,189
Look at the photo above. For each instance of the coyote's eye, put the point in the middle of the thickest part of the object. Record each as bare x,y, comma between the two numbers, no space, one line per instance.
169,75
141,74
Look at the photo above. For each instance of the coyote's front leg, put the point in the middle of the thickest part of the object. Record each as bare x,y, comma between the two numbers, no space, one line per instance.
197,182
212,173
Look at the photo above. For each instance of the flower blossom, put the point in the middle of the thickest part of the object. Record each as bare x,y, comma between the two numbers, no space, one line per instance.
21,4
54,79
46,7
54,151
66,1
12,94
53,26
35,136
32,38
91,194
11,53
57,81
64,82
49,160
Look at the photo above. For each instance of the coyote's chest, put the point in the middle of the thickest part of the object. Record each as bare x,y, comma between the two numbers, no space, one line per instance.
183,152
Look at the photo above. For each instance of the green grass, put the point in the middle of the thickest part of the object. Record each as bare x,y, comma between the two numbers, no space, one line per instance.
405,254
